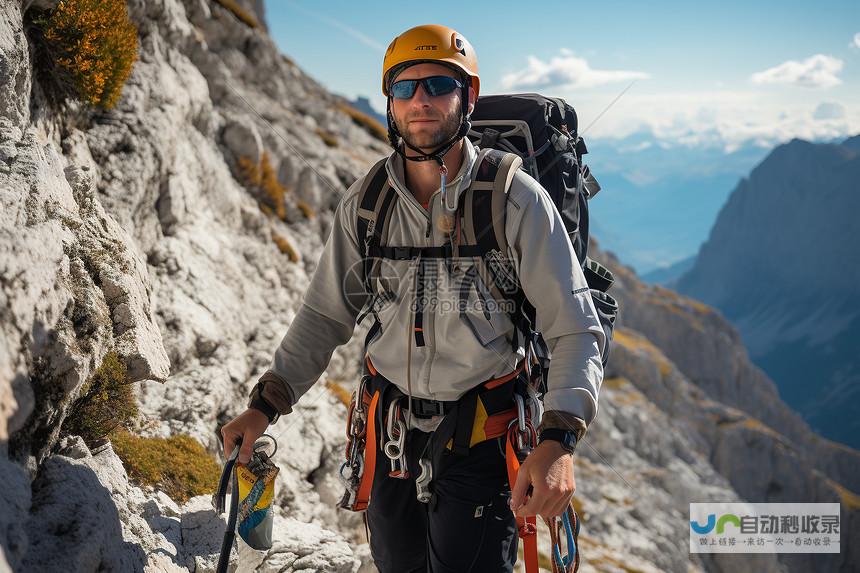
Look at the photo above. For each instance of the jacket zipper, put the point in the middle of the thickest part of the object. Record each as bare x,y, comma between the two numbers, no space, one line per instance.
431,322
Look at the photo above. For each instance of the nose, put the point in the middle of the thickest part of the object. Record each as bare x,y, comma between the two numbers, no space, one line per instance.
420,97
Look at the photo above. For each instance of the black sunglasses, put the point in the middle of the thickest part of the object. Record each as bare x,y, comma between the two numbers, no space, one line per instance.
433,85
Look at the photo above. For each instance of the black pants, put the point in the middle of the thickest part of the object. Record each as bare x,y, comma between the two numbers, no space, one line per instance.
468,527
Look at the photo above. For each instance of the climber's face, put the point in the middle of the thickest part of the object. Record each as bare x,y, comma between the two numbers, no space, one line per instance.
427,121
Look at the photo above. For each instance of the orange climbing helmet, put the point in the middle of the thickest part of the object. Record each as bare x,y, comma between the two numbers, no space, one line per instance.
430,43
434,44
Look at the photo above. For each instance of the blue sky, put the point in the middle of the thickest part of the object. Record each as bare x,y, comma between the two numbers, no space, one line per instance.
701,73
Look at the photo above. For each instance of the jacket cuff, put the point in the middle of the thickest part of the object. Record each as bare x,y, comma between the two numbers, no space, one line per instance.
257,402
558,419
271,396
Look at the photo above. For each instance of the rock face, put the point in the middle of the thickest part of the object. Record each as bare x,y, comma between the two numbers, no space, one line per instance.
137,231
779,265
132,231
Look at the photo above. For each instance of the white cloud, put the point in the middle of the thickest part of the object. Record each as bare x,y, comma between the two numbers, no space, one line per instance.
855,42
818,71
564,71
829,110
724,119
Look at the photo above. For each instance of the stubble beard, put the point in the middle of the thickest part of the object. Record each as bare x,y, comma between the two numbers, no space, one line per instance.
429,141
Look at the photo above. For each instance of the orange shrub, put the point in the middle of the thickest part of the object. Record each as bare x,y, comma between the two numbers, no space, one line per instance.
370,124
262,179
240,13
306,209
329,139
92,45
285,247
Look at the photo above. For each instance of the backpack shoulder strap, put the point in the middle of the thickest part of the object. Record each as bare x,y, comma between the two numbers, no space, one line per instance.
484,217
485,201
371,200
375,201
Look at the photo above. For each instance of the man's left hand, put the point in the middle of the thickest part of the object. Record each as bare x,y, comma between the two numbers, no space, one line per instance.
549,470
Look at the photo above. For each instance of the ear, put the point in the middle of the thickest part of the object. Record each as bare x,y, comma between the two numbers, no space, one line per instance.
473,98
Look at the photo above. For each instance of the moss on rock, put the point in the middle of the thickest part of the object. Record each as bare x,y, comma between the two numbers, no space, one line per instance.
179,465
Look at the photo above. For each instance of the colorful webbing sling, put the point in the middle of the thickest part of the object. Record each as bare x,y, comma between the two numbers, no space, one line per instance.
253,492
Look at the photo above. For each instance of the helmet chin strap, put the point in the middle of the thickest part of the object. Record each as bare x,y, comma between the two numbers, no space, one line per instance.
399,143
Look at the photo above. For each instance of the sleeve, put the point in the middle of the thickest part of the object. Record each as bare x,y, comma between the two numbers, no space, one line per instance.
554,283
337,289
325,319
300,359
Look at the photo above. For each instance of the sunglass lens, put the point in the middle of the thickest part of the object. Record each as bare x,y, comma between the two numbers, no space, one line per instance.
404,89
439,85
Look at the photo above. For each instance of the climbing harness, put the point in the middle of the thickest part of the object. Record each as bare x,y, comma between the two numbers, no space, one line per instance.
508,406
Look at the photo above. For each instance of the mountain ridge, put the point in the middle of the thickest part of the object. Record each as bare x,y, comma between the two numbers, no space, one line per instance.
792,296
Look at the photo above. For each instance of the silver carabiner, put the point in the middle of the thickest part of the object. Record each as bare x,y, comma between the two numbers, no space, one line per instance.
422,484
359,394
521,414
394,448
395,431
399,469
392,417
345,479
535,406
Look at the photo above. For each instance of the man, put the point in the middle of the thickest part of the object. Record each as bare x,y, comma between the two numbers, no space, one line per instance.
437,357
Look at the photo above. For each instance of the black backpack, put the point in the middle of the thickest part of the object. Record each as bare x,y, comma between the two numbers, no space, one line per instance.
543,132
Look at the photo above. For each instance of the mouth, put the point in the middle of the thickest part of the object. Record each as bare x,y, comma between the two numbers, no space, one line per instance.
423,121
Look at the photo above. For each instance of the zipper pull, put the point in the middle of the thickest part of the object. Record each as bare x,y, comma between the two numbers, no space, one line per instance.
446,218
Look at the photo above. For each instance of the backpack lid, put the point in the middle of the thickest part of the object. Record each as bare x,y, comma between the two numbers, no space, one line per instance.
534,109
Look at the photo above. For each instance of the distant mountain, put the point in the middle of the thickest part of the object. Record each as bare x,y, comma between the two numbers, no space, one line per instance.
852,143
781,264
668,276
362,104
660,198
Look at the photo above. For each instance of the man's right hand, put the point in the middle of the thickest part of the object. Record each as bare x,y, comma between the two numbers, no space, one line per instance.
247,427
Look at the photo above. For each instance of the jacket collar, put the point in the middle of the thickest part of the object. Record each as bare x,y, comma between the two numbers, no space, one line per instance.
455,185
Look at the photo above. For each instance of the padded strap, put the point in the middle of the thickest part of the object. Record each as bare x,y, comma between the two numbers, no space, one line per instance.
501,185
368,197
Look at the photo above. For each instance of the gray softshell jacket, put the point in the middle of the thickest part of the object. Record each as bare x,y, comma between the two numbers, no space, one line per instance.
463,346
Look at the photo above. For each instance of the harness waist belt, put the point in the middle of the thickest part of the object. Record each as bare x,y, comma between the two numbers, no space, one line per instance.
426,408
